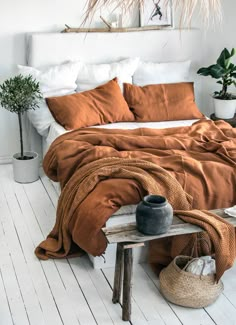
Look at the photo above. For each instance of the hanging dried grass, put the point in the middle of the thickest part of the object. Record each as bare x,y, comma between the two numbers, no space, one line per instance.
209,10
93,6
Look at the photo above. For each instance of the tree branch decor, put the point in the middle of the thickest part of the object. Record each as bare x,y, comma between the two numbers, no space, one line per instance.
208,9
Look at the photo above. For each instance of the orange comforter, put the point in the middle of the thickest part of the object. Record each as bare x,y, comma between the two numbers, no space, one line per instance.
199,160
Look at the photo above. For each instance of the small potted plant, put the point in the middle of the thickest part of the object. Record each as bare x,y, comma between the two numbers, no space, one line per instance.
18,95
225,72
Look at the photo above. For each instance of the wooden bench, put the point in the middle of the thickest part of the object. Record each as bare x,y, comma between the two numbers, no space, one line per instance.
127,237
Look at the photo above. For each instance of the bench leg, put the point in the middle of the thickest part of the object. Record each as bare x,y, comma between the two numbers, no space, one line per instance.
128,270
118,274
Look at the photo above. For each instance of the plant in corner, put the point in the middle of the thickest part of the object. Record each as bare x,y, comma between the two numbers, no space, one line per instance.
18,95
225,72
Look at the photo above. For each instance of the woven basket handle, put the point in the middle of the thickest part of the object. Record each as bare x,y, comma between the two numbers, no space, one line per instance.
195,243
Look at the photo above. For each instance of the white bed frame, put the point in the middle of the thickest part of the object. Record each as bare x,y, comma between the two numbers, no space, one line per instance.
44,49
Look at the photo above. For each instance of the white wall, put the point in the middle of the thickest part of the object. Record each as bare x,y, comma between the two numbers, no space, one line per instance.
214,41
20,17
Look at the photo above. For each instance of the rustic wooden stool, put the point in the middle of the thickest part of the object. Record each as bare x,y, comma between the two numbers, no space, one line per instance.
127,237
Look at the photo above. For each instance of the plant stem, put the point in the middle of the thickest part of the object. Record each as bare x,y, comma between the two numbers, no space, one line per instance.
224,88
21,137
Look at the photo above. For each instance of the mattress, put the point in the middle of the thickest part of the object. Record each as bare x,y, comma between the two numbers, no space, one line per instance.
56,130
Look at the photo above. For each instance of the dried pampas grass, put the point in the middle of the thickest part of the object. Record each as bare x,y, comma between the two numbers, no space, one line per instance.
93,6
209,10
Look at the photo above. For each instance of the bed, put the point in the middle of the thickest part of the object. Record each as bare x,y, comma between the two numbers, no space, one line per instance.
124,214
96,48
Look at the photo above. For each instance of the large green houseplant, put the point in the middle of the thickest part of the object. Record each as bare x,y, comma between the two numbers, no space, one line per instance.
18,95
225,73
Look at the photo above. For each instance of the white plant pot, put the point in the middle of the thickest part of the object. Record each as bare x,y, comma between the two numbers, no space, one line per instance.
26,171
224,109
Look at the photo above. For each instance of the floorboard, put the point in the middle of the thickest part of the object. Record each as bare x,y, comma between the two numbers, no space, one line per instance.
5,312
70,291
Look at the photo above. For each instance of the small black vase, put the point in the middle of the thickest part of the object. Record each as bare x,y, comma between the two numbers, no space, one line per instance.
154,215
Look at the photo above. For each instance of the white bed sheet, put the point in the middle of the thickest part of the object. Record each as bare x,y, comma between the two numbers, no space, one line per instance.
56,129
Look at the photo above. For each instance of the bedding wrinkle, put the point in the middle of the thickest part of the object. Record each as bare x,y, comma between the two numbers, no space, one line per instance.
165,103
101,170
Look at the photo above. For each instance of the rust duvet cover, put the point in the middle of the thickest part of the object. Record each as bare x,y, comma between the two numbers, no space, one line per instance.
101,170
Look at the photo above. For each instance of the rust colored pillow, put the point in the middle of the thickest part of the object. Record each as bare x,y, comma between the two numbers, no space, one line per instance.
164,102
102,105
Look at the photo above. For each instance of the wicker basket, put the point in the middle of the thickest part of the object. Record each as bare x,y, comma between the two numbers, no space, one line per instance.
187,289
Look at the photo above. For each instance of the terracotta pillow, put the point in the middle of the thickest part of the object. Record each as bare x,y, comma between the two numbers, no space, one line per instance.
164,102
102,105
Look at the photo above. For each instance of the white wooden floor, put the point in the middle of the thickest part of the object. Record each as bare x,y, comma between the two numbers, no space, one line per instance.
71,292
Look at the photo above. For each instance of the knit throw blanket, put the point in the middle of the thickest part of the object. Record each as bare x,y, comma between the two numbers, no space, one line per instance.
84,180
217,231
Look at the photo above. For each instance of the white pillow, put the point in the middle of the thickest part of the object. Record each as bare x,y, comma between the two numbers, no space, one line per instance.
93,75
54,78
41,117
157,73
57,80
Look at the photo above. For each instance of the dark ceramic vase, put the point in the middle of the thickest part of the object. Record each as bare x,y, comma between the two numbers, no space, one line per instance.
154,215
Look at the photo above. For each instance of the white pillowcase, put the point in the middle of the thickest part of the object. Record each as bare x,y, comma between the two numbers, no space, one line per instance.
41,117
93,75
160,73
57,80
54,78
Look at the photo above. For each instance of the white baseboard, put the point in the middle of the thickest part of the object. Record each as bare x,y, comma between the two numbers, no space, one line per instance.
5,160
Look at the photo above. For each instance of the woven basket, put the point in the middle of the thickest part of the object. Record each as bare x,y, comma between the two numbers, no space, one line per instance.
187,289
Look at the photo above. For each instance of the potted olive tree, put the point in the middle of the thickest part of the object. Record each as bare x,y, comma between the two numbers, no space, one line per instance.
18,95
225,72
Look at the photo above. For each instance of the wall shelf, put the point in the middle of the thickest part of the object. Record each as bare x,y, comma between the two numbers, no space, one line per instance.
114,30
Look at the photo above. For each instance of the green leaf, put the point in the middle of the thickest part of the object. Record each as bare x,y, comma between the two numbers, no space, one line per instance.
223,56
215,71
226,53
231,67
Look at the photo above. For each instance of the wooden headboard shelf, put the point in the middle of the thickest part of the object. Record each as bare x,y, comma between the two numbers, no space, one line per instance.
114,30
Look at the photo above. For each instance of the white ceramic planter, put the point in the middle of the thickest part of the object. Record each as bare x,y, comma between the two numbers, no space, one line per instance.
26,171
224,109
